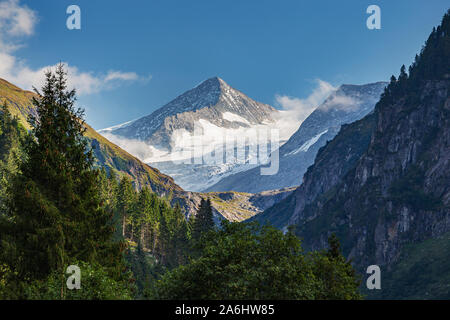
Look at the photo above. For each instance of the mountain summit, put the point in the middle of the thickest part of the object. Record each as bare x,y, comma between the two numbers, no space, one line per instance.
164,136
212,100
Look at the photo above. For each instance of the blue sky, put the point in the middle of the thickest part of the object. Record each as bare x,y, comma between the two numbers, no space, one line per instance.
131,57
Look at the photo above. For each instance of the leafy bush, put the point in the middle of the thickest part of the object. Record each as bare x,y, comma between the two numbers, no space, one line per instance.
96,284
249,261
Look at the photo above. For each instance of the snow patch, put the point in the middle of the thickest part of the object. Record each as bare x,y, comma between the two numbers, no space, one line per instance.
234,117
304,147
122,125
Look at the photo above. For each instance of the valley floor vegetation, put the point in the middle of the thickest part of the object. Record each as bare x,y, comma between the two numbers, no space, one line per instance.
59,209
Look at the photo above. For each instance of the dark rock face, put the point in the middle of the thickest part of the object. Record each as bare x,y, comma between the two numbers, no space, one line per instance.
389,196
399,190
347,104
333,161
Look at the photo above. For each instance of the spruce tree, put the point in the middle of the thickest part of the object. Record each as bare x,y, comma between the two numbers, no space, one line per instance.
181,235
334,250
146,217
203,221
125,203
12,135
163,246
108,187
56,214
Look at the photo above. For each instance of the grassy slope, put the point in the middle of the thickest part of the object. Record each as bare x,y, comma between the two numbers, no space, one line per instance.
18,101
240,206
235,206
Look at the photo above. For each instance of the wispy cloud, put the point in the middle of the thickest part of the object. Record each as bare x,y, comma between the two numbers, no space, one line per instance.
137,148
17,22
117,75
85,82
341,102
295,110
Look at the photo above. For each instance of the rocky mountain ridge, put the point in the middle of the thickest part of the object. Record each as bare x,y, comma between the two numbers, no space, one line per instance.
347,104
393,200
178,137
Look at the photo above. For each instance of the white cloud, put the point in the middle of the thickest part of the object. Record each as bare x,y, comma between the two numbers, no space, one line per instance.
137,148
17,72
117,75
341,102
18,22
15,22
295,110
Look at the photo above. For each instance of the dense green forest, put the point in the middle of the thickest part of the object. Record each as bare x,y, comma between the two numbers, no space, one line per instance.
58,209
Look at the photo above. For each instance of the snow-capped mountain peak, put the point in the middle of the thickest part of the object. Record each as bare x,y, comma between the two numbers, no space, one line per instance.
164,135
208,101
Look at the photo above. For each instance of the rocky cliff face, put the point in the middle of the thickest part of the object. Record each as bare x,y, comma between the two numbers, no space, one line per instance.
347,104
399,190
388,195
333,161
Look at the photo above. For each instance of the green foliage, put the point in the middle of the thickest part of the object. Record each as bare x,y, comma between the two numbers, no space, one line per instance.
421,272
150,221
247,261
96,284
126,201
157,234
9,288
338,278
12,135
430,64
409,189
203,221
144,269
56,214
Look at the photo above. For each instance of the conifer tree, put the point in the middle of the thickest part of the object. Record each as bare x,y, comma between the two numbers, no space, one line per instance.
163,246
108,187
125,203
146,217
12,135
56,215
334,247
203,221
181,236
